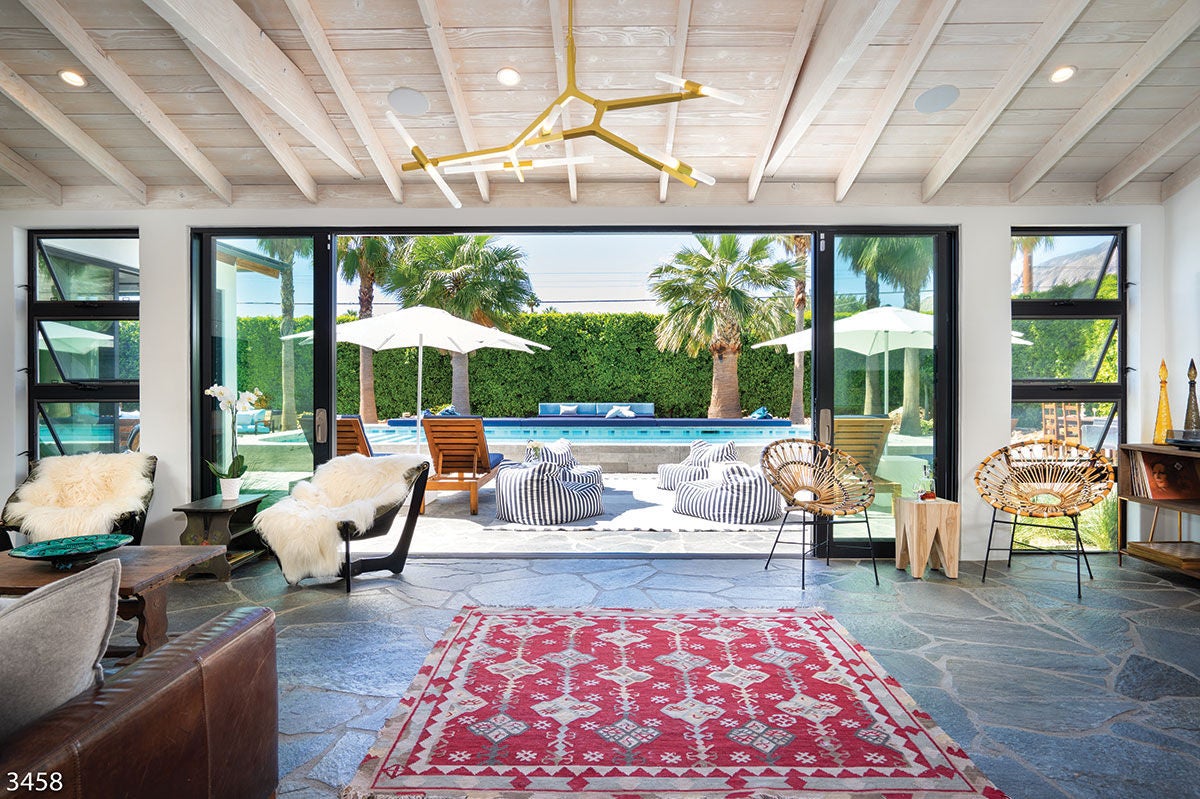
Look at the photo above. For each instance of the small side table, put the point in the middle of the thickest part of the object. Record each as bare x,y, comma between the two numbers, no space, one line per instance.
213,520
927,531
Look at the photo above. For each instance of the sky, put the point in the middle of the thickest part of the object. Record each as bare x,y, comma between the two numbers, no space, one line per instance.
570,272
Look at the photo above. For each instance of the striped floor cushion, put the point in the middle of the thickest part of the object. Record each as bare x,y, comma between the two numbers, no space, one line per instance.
671,475
539,494
559,453
741,495
695,466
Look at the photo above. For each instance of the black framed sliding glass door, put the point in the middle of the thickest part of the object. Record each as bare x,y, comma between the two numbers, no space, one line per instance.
264,313
884,365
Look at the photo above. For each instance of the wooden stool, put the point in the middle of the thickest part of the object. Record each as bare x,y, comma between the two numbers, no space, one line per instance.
927,531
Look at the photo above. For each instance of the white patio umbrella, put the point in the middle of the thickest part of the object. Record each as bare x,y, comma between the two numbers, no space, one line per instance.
421,327
874,331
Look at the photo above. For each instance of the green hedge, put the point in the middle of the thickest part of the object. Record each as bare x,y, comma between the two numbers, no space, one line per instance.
593,358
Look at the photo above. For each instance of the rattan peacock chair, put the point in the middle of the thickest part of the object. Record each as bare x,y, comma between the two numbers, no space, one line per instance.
1043,479
820,482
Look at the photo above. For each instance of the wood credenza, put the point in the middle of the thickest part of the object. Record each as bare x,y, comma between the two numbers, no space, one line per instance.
1161,547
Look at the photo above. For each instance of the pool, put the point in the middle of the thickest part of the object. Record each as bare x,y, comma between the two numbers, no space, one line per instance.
650,432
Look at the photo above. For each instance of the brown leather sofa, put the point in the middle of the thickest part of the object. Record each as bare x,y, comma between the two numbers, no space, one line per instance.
196,718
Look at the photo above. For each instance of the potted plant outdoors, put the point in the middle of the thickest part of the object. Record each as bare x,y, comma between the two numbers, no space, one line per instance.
230,400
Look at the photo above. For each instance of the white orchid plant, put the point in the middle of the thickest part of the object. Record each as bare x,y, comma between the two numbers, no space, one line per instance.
234,402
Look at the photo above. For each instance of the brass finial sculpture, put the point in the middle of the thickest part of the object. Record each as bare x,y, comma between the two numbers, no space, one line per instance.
1163,423
1191,420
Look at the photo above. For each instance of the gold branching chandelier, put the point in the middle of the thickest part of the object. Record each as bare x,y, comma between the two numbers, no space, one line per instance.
541,131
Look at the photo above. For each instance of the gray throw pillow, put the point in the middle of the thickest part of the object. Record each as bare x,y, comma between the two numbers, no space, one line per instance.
51,642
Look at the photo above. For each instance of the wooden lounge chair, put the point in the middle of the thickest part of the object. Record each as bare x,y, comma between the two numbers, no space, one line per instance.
351,437
863,438
460,457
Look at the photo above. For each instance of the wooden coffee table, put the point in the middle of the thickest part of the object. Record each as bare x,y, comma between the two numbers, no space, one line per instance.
145,574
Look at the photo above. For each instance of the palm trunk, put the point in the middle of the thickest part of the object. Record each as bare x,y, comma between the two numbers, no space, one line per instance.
910,419
873,386
726,401
460,382
796,413
1027,270
287,326
366,386
366,357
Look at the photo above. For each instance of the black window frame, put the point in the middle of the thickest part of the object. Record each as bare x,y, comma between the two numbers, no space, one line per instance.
65,310
1081,391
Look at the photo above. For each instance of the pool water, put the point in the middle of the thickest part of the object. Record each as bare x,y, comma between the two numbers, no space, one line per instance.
606,435
385,435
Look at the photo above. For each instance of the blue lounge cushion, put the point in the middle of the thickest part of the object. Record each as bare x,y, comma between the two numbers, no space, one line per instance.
494,459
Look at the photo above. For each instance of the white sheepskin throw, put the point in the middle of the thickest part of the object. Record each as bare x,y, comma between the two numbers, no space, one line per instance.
72,495
302,529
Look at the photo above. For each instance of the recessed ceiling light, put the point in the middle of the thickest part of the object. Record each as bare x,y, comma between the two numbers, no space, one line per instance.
1062,74
939,98
508,76
408,102
72,78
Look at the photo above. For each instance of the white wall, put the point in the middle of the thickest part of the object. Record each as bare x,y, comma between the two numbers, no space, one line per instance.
983,297
1181,292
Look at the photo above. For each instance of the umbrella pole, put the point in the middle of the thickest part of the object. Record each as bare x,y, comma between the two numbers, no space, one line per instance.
420,372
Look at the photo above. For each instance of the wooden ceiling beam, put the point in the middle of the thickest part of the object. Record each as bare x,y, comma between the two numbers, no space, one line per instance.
1173,33
31,102
12,163
224,33
1180,179
933,17
458,101
68,31
1035,51
683,21
558,33
809,16
844,37
256,117
318,42
1159,144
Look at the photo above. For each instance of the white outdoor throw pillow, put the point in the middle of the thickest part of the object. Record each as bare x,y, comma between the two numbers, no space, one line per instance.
51,642
568,410
620,412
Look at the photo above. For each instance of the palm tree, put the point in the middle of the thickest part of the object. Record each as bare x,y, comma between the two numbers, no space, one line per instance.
1026,245
905,262
286,250
472,277
798,246
370,260
855,248
710,292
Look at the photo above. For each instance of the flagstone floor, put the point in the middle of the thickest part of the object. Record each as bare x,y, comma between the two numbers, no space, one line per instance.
1051,697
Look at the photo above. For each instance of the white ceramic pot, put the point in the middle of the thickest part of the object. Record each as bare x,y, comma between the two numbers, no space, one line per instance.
231,487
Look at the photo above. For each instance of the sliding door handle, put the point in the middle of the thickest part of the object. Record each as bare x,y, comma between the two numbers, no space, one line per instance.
321,426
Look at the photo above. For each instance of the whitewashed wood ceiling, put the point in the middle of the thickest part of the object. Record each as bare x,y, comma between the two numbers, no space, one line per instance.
282,101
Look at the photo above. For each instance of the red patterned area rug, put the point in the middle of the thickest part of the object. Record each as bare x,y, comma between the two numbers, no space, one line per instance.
659,703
